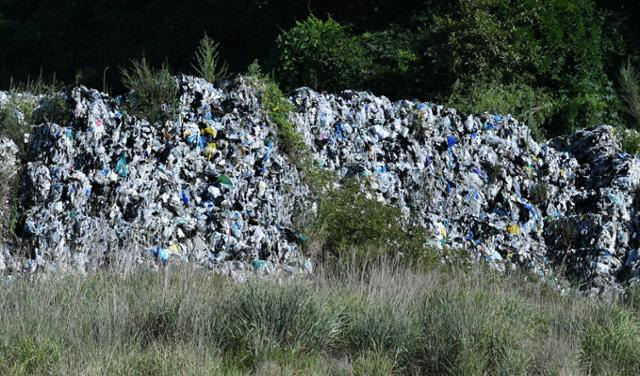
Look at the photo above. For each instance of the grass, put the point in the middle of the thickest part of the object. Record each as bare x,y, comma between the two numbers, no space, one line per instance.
383,320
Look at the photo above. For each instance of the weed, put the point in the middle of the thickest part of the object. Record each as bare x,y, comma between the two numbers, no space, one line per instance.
152,89
207,63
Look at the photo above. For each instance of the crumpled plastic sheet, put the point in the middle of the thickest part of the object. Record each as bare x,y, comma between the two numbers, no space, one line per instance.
210,185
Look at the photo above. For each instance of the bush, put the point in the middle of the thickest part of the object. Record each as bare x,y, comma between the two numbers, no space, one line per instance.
208,65
151,89
629,140
395,63
322,55
537,47
373,364
291,316
16,117
349,223
30,356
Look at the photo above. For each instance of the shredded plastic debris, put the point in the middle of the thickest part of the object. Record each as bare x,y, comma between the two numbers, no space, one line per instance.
210,186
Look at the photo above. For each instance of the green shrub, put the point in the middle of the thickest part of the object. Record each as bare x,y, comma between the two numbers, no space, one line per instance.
30,356
629,140
550,47
151,89
208,65
278,109
16,117
52,108
322,55
260,314
350,224
395,63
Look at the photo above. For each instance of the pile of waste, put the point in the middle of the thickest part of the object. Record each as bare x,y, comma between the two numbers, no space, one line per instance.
207,185
210,185
484,185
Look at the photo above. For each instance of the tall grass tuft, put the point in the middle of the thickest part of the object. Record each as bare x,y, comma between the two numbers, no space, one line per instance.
384,319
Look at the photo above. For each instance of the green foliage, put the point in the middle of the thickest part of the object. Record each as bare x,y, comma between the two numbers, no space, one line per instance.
30,356
208,65
611,340
630,88
373,364
530,46
52,108
531,106
16,117
292,316
394,62
629,140
322,55
350,223
386,319
151,89
279,110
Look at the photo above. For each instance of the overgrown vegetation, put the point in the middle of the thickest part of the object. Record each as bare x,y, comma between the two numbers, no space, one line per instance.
629,140
555,64
153,91
279,109
531,106
352,225
16,116
386,319
478,56
322,55
208,64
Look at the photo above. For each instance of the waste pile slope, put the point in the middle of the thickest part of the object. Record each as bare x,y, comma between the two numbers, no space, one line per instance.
208,184
484,185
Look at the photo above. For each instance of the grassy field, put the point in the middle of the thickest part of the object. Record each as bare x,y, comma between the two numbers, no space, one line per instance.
385,320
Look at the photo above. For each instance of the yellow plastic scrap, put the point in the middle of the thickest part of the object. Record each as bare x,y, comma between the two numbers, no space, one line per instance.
513,229
210,132
175,249
210,150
